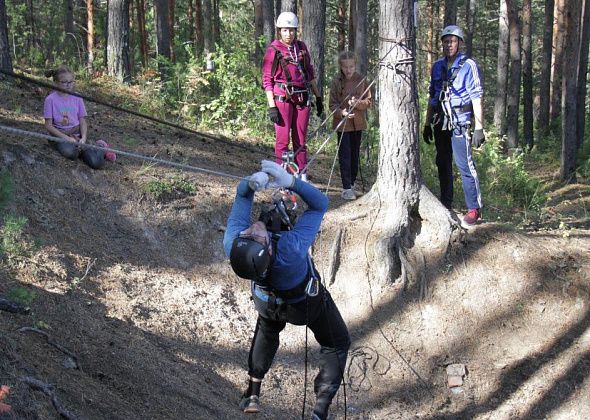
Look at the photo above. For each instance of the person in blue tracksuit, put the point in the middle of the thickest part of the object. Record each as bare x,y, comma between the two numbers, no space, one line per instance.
285,285
455,102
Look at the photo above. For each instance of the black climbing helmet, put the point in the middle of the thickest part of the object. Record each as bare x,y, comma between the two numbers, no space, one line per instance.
250,259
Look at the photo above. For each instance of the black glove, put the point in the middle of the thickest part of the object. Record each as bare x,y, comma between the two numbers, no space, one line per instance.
427,134
319,104
478,138
274,115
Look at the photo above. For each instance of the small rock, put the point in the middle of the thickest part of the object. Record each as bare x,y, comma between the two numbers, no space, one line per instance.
454,381
70,363
456,369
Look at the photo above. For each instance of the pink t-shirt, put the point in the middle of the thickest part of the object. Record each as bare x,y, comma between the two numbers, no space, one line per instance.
64,110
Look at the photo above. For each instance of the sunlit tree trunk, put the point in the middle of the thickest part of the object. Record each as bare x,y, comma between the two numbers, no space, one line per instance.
471,8
118,48
513,97
450,12
583,75
502,71
90,35
527,73
143,47
361,41
545,63
557,63
569,143
314,35
5,60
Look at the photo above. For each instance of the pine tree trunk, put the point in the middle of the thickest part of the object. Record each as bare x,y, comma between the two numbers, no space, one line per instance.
216,23
118,48
513,97
450,12
558,60
143,48
199,38
471,7
545,80
90,35
405,207
527,73
502,71
361,41
569,143
341,25
171,19
162,34
268,20
5,60
287,6
258,28
352,23
583,75
208,43
314,35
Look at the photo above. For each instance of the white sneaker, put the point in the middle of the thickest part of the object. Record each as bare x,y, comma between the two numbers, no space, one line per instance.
348,194
304,177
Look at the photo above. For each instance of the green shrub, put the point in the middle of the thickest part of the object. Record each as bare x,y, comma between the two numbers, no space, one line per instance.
175,187
13,241
21,295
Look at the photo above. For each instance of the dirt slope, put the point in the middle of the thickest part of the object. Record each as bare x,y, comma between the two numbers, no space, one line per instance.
138,292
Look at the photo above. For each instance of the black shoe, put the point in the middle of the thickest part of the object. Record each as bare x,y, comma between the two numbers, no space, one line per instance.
250,404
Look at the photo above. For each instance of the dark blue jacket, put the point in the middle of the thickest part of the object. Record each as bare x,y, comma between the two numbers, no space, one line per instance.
290,265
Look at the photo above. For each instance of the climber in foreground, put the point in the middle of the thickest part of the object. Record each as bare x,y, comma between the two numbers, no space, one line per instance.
274,254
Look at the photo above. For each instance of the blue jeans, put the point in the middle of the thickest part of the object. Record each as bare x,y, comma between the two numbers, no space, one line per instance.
456,144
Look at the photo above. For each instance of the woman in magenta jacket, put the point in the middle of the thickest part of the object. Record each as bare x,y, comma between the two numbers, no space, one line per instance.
288,80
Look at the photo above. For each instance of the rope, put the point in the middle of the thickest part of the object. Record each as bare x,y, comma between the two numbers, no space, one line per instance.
375,69
24,133
128,111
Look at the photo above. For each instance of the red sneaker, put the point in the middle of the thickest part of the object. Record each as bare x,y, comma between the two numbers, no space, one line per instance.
110,156
471,217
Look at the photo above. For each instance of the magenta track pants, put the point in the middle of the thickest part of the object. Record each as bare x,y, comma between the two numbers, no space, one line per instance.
292,127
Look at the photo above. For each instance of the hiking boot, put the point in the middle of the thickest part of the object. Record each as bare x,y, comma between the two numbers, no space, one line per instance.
471,217
110,156
250,404
348,194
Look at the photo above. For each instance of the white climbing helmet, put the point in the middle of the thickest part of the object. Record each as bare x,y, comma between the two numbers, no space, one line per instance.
287,20
453,30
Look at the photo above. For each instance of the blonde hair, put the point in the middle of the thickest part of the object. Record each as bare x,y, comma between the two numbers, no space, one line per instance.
55,73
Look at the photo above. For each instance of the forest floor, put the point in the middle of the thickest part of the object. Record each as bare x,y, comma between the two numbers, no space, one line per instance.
136,314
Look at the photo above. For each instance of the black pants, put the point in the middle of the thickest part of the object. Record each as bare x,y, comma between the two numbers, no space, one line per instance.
444,163
349,146
92,157
322,317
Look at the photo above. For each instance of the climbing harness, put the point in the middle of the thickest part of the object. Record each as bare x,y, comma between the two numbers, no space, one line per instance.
299,95
444,98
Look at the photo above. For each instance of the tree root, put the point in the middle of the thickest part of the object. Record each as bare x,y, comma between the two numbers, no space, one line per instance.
334,262
53,343
47,389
